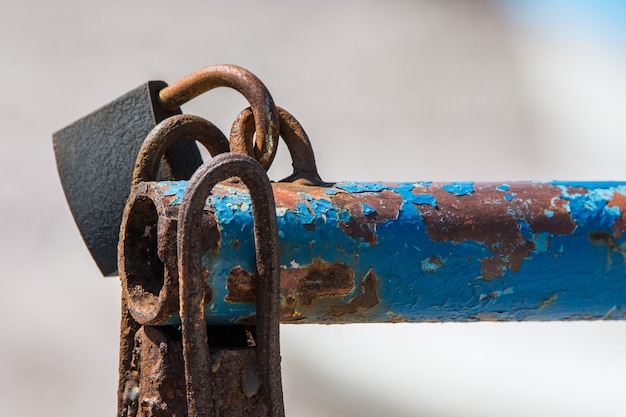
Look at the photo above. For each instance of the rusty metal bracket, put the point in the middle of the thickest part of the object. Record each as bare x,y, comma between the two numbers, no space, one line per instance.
296,139
242,80
263,382
170,370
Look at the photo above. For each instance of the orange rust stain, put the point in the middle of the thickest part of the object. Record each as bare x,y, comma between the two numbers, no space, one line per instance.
298,286
618,200
284,198
386,206
319,279
367,299
577,190
548,301
210,235
485,317
312,191
604,238
398,318
222,189
241,286
487,217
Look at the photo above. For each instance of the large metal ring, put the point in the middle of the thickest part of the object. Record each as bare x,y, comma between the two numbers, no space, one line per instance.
151,288
242,80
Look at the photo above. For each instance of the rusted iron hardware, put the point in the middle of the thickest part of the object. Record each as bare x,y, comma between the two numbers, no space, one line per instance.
189,368
194,370
96,154
209,266
260,392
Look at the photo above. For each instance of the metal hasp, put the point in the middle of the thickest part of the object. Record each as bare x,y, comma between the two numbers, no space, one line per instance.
411,252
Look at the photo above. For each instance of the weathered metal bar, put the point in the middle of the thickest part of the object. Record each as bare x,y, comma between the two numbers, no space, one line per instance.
390,252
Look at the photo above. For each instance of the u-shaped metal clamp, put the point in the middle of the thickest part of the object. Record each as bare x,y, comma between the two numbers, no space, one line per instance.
197,357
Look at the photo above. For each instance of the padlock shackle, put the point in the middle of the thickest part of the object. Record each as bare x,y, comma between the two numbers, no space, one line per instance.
242,80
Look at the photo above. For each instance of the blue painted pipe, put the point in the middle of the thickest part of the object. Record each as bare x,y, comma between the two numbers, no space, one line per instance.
412,252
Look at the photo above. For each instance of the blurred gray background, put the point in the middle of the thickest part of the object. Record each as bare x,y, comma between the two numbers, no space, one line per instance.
388,90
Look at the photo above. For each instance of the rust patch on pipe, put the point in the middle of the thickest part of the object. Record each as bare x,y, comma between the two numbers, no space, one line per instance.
299,286
241,286
320,279
604,238
367,299
549,301
492,216
618,200
577,190
366,211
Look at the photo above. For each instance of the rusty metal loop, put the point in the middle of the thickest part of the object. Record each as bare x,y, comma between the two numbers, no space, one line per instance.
246,83
296,139
170,130
148,285
191,281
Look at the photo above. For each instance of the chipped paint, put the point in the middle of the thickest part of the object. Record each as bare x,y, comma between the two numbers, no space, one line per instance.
432,264
375,252
459,188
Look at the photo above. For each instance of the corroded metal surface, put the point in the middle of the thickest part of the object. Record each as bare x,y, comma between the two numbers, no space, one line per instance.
296,139
261,378
171,370
242,80
377,252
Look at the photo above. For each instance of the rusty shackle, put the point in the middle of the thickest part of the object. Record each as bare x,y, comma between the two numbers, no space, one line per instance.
242,80
192,282
151,301
296,139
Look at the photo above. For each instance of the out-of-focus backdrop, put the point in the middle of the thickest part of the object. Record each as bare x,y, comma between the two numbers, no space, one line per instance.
388,90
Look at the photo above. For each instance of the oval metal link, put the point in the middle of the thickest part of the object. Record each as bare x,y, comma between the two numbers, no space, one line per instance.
248,84
296,139
192,281
150,288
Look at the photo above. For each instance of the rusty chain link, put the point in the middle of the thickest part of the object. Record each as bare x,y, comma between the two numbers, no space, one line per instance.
296,139
242,80
191,282
160,279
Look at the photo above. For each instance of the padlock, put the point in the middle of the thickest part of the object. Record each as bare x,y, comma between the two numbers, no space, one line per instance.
95,158
96,154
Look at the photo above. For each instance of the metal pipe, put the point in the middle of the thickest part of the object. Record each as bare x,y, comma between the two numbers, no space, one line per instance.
396,252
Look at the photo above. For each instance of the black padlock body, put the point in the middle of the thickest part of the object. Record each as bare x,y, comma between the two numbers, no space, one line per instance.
96,158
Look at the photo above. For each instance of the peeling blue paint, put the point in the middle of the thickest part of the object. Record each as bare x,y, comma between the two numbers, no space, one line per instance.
174,189
424,199
367,210
360,187
536,273
459,188
432,264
